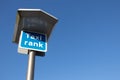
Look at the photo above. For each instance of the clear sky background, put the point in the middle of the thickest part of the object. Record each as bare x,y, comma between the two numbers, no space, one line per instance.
84,45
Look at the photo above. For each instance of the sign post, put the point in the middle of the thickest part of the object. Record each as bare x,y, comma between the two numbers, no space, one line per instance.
30,23
32,41
31,65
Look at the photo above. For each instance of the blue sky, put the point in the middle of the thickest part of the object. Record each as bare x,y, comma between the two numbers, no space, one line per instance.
84,45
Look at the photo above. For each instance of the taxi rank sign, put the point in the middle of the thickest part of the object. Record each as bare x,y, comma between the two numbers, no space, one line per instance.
33,41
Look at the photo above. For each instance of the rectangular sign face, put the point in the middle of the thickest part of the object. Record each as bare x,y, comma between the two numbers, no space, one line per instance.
33,41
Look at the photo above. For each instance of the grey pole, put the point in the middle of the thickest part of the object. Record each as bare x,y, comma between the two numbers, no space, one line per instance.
31,64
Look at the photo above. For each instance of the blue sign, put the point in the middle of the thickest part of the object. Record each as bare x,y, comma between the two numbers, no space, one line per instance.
33,41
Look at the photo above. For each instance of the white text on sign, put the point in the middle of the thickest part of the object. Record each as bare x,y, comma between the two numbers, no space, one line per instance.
33,41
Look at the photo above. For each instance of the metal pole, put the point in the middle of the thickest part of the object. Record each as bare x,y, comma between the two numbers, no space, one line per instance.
31,64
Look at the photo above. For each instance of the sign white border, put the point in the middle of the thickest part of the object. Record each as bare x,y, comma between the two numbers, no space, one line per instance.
32,48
